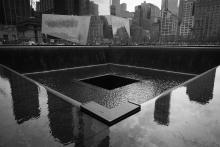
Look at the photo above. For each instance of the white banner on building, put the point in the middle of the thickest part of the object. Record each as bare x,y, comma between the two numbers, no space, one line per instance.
71,28
117,23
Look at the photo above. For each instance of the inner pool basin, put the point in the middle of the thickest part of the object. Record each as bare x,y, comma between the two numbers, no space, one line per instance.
110,84
109,97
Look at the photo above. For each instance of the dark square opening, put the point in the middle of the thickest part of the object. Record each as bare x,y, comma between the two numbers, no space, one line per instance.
109,81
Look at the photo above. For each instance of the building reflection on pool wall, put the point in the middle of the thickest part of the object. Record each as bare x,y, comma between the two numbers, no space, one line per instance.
61,120
201,91
70,125
162,110
64,122
25,102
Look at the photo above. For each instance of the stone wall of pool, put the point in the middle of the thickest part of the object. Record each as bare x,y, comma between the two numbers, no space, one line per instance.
27,59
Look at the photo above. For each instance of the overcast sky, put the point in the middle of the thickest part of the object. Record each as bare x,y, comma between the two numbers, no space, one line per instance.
132,3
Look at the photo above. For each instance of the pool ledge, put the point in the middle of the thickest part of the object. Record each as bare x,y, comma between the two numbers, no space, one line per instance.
110,116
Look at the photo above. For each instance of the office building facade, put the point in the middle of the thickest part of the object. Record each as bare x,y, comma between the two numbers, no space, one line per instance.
206,20
69,7
171,5
116,8
14,11
63,7
169,26
145,15
187,18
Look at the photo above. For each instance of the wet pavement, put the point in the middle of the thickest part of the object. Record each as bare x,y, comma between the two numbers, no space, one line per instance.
186,116
145,85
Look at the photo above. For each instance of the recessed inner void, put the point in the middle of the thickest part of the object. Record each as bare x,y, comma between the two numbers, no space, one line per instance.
109,82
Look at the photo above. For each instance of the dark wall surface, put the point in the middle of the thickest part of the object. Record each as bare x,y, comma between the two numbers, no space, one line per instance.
183,59
39,58
32,59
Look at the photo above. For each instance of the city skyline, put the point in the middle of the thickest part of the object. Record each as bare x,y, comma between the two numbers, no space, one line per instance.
131,3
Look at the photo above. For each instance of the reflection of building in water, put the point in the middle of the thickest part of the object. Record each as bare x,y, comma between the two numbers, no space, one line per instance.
161,111
25,99
61,119
201,89
101,139
5,86
69,125
95,30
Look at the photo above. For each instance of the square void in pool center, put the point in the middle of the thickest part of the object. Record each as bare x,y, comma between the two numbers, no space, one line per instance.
109,82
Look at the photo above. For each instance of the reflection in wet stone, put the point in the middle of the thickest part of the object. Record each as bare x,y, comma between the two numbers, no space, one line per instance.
102,139
161,111
201,89
61,119
25,102
105,142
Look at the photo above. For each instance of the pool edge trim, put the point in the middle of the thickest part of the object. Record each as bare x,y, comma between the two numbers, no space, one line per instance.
108,116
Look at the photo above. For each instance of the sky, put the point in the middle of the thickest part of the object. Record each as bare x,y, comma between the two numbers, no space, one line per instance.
132,3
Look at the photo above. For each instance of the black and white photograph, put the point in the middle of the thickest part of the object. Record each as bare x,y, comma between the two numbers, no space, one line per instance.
109,73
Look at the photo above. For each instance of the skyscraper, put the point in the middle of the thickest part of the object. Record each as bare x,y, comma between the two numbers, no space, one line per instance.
169,26
69,7
38,8
116,3
14,11
116,8
46,6
93,8
169,21
123,7
171,5
147,17
63,7
207,20
146,14
187,18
